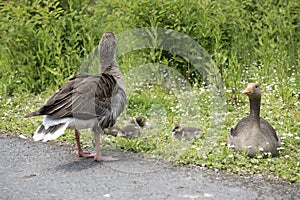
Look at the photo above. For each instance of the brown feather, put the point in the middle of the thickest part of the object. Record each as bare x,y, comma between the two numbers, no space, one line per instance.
83,96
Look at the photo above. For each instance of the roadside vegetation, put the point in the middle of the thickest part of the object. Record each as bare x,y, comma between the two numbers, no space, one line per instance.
44,43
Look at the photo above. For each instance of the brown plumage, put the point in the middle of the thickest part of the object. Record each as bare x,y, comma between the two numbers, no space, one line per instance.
253,133
186,132
86,101
131,130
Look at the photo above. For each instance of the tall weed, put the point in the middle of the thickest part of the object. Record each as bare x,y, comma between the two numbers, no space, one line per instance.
42,43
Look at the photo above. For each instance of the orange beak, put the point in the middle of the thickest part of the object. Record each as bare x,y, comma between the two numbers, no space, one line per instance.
248,90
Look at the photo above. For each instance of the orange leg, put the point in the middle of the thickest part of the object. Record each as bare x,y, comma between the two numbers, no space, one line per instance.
80,152
98,156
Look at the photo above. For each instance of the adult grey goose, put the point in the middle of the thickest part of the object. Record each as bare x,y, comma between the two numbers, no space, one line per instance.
253,133
86,101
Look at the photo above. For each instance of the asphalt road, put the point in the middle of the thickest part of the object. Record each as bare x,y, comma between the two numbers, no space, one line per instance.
36,170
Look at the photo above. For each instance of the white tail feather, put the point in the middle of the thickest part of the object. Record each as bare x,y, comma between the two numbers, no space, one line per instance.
39,135
56,134
48,121
44,134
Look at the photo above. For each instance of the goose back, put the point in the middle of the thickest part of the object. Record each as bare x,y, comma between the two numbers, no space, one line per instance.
87,97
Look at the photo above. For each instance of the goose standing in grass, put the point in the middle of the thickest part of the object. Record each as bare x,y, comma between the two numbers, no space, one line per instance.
86,101
253,133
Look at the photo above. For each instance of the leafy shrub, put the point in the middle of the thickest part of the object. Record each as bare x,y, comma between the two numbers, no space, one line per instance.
239,35
42,43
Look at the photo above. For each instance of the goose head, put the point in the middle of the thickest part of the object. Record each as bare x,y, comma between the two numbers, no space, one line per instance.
253,91
107,47
141,120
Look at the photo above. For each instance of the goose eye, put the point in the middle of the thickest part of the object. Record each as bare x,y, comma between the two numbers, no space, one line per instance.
256,86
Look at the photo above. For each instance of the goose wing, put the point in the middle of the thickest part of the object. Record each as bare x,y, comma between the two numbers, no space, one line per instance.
268,129
241,127
83,97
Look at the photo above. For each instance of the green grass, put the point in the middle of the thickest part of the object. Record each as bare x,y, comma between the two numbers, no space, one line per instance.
211,151
256,43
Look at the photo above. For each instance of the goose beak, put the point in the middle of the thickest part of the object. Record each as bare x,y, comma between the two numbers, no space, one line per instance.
248,90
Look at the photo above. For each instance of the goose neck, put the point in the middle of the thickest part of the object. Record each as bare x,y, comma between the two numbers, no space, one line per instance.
255,107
